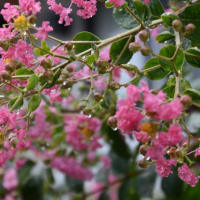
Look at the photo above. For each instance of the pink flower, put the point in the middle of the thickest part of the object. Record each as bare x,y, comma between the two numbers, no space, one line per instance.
29,6
104,54
21,51
87,8
10,181
116,73
80,130
197,152
172,137
9,197
128,118
71,167
10,12
141,136
6,33
170,110
61,11
6,118
43,31
187,176
156,151
147,1
163,167
117,3
106,161
133,93
100,83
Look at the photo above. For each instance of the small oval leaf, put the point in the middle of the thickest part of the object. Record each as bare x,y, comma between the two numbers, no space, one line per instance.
156,74
193,57
34,102
168,51
84,36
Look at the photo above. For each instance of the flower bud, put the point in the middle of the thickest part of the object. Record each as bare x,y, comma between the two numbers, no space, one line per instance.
186,100
9,68
143,149
46,64
145,51
68,46
134,47
5,75
189,28
70,69
144,35
177,25
114,86
68,84
32,20
97,96
142,163
112,121
102,66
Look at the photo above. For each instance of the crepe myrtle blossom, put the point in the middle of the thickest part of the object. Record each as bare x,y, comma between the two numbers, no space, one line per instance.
10,180
42,32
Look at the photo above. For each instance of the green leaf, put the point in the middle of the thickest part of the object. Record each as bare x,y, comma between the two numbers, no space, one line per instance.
23,71
142,9
104,196
116,49
172,186
33,189
169,87
194,94
91,59
32,82
168,51
156,74
16,102
50,175
164,36
84,36
156,8
40,52
191,14
127,191
123,18
169,18
192,56
34,102
24,172
44,45
185,84
75,185
116,140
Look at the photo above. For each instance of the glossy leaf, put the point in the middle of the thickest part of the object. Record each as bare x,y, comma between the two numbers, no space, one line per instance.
142,9
16,102
116,49
34,102
172,186
164,36
33,189
194,94
32,82
192,56
191,14
127,191
156,8
168,51
84,36
123,18
116,140
168,18
156,74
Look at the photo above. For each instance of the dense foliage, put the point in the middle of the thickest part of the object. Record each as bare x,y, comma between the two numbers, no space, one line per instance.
60,115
